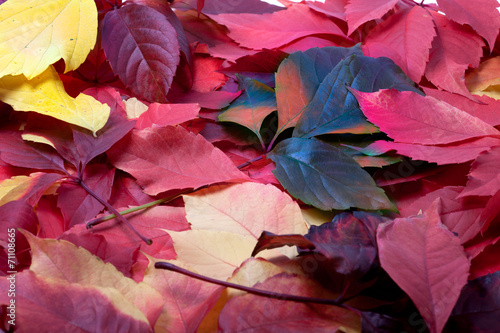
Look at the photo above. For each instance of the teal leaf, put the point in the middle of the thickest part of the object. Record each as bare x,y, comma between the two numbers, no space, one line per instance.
321,175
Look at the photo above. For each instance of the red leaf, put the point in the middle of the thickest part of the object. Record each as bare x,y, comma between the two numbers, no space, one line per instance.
362,11
411,118
454,49
77,206
162,115
144,53
484,177
183,160
269,31
482,15
259,314
46,304
50,219
435,266
487,110
13,215
406,38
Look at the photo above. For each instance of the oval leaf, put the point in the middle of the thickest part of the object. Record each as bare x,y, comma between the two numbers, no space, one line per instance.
321,175
142,48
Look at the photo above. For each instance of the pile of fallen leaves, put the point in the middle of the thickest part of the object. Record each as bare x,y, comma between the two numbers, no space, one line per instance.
339,162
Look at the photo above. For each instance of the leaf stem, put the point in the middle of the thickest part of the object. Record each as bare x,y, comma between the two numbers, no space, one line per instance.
114,211
258,292
258,158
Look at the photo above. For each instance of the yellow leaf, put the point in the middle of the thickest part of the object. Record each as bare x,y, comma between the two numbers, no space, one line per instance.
14,188
35,34
134,108
45,94
38,139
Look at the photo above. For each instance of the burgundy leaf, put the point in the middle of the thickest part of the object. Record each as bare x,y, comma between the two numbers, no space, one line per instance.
268,240
78,206
142,48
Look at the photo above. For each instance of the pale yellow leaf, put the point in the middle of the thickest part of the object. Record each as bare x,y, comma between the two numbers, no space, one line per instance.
45,94
38,139
14,188
315,216
246,209
134,108
35,34
212,253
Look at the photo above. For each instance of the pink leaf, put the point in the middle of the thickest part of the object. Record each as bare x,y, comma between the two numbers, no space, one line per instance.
443,154
142,48
411,118
406,38
484,177
427,261
362,11
334,8
454,49
167,114
183,160
276,29
481,15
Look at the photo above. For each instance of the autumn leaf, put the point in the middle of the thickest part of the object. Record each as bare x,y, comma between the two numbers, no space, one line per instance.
37,34
29,188
45,94
362,11
436,267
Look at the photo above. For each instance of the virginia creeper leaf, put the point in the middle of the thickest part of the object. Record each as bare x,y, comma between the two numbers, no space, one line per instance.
142,48
487,74
268,240
334,109
254,313
483,177
15,151
187,300
435,268
478,306
252,106
411,118
36,34
45,94
271,30
78,206
362,11
406,38
334,8
45,304
321,175
299,76
29,188
62,260
481,15
454,49
167,114
183,159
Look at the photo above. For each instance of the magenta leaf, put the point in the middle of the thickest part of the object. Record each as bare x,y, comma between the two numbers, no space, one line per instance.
484,177
427,261
411,118
142,48
362,11
405,38
481,15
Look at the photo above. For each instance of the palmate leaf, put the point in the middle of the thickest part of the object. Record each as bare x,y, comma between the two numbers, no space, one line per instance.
334,108
321,175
